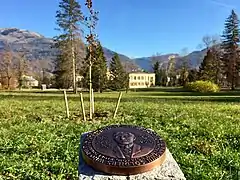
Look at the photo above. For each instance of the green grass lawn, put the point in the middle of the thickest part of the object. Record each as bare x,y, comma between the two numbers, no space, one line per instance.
201,130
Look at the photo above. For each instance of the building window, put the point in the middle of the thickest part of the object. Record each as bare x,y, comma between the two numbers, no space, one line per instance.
135,78
138,77
142,78
142,83
139,83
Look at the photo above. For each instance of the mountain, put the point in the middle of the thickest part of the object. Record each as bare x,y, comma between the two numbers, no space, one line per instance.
40,54
38,49
126,61
146,63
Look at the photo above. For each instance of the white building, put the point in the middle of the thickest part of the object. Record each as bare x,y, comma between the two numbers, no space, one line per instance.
141,80
29,81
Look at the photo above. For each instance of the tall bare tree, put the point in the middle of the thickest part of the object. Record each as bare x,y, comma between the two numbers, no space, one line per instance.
185,66
7,67
171,70
91,38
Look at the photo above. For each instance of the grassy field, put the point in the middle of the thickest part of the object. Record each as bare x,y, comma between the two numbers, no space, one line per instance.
201,130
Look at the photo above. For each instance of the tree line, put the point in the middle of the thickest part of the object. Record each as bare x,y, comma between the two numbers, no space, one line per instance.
13,67
16,70
220,65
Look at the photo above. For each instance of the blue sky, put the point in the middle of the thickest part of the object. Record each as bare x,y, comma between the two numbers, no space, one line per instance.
136,28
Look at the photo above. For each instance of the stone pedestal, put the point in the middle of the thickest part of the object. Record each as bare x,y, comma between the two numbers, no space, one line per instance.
169,170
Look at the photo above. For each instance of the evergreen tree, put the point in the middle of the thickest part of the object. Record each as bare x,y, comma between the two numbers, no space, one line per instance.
118,75
193,75
230,57
184,71
212,60
85,70
156,70
207,70
217,62
68,18
99,70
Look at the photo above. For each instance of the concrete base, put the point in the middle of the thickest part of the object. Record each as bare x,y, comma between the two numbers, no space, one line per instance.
169,170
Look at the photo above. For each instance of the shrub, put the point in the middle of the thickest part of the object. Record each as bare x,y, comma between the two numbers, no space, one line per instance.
203,86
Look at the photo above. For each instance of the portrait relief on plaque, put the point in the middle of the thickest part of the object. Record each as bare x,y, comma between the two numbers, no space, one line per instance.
119,148
127,147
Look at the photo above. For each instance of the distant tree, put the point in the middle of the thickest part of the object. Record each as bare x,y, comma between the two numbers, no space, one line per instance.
171,70
230,57
184,67
207,69
63,77
210,40
99,70
193,75
45,76
163,76
127,81
7,67
156,70
22,68
212,44
118,75
69,17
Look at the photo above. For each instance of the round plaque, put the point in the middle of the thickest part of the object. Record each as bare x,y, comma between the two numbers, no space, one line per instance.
123,149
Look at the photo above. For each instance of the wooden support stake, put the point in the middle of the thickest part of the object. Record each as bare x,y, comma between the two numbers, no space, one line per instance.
82,106
92,102
116,109
66,103
90,90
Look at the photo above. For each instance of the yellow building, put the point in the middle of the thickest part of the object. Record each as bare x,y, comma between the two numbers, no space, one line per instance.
141,80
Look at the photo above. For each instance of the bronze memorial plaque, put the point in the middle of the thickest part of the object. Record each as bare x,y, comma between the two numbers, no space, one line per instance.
123,149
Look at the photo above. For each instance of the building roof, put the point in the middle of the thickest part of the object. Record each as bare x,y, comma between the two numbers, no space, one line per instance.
140,73
29,78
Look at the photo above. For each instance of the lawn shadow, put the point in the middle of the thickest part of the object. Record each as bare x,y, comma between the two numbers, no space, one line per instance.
152,98
186,93
160,89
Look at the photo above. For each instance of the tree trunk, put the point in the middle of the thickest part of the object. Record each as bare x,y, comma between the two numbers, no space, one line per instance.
9,83
99,85
74,71
233,83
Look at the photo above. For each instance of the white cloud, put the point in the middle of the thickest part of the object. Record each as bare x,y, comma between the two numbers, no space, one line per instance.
223,4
